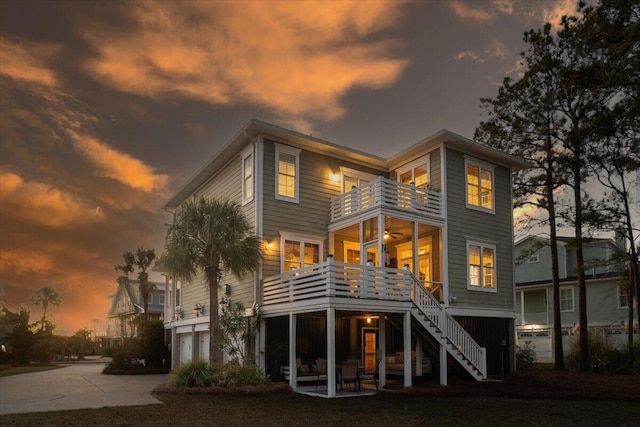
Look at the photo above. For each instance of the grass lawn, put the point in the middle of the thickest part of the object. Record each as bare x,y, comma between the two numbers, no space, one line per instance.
525,398
26,369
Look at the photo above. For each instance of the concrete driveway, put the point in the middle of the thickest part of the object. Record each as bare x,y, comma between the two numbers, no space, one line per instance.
75,387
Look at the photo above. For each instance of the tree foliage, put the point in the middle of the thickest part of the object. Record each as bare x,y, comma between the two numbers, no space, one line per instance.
45,297
212,236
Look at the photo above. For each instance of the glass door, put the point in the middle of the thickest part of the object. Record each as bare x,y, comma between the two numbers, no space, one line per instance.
369,345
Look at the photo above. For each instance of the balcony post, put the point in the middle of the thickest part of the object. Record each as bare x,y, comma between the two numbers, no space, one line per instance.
329,276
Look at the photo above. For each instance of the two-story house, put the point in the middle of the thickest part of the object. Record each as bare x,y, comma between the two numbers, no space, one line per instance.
126,306
383,260
607,298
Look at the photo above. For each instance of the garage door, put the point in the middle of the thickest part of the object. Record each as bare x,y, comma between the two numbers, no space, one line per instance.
186,344
203,352
541,343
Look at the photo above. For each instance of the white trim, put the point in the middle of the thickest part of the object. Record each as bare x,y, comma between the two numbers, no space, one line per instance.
444,230
533,259
302,238
295,152
248,152
481,166
482,287
354,173
481,312
259,209
423,160
573,299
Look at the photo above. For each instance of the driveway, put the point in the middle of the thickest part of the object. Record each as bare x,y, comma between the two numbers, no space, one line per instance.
75,387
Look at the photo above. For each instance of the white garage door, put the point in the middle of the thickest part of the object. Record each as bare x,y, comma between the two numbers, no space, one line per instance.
186,344
541,343
203,352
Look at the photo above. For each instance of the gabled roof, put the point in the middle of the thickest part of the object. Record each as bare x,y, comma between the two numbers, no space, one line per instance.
130,291
255,128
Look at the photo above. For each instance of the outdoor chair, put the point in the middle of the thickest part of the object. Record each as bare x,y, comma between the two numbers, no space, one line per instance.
351,375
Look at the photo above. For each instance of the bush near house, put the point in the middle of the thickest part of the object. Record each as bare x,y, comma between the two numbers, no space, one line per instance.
603,357
525,355
200,373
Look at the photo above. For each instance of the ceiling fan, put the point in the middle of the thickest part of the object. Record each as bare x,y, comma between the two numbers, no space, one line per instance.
390,234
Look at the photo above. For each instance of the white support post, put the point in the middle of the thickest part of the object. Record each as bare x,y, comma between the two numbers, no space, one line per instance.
261,345
406,329
194,343
175,349
293,369
382,342
419,358
443,365
331,352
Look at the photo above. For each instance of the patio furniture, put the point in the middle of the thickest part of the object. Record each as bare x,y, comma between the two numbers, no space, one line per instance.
350,374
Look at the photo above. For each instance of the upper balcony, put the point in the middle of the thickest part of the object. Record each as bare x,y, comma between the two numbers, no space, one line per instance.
383,192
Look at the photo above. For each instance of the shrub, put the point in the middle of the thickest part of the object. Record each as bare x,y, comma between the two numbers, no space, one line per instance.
154,348
602,356
525,355
200,373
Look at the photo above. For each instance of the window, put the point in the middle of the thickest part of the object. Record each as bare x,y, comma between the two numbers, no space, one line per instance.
299,252
479,186
287,176
161,299
247,177
416,173
566,299
177,296
482,266
535,258
623,296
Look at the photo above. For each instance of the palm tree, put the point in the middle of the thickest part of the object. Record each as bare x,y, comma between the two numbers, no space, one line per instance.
44,297
143,260
215,237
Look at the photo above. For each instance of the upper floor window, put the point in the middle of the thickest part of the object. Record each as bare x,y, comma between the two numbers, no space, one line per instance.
566,299
177,296
354,178
416,173
623,296
247,176
481,266
533,259
299,252
480,194
287,173
161,299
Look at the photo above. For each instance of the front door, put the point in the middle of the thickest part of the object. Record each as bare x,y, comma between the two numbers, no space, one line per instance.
369,346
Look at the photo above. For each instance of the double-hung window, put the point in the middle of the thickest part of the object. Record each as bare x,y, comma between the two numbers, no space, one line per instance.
299,252
623,296
480,185
247,176
481,260
566,299
287,173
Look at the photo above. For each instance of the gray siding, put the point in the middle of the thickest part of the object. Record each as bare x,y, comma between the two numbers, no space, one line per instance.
311,215
226,184
469,224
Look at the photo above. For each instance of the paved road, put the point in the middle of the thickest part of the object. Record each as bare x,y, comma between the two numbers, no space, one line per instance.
75,387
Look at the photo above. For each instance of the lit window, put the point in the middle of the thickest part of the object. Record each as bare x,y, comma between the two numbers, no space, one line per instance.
566,299
298,253
481,266
480,186
287,176
247,177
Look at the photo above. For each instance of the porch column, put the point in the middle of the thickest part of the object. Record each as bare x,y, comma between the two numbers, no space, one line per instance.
261,346
195,344
443,365
175,348
293,369
382,338
406,332
419,358
331,352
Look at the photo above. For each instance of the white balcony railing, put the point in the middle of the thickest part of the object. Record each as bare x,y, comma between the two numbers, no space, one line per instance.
385,192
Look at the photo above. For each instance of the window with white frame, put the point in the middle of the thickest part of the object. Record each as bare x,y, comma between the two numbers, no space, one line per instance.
247,176
566,299
161,299
481,260
533,259
623,296
480,193
287,173
298,252
416,173
176,301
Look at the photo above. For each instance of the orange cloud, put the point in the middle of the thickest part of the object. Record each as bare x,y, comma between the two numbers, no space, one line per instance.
297,60
497,49
42,204
558,8
22,262
121,167
26,62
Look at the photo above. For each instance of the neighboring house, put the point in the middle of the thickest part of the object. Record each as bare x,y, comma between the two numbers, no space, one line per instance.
126,306
607,299
367,258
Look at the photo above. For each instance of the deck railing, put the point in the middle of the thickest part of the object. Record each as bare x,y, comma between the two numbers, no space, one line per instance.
339,279
385,192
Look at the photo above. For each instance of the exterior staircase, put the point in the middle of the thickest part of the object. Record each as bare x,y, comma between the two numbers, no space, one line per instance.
428,311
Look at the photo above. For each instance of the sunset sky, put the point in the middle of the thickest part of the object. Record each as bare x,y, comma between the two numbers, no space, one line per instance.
107,107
